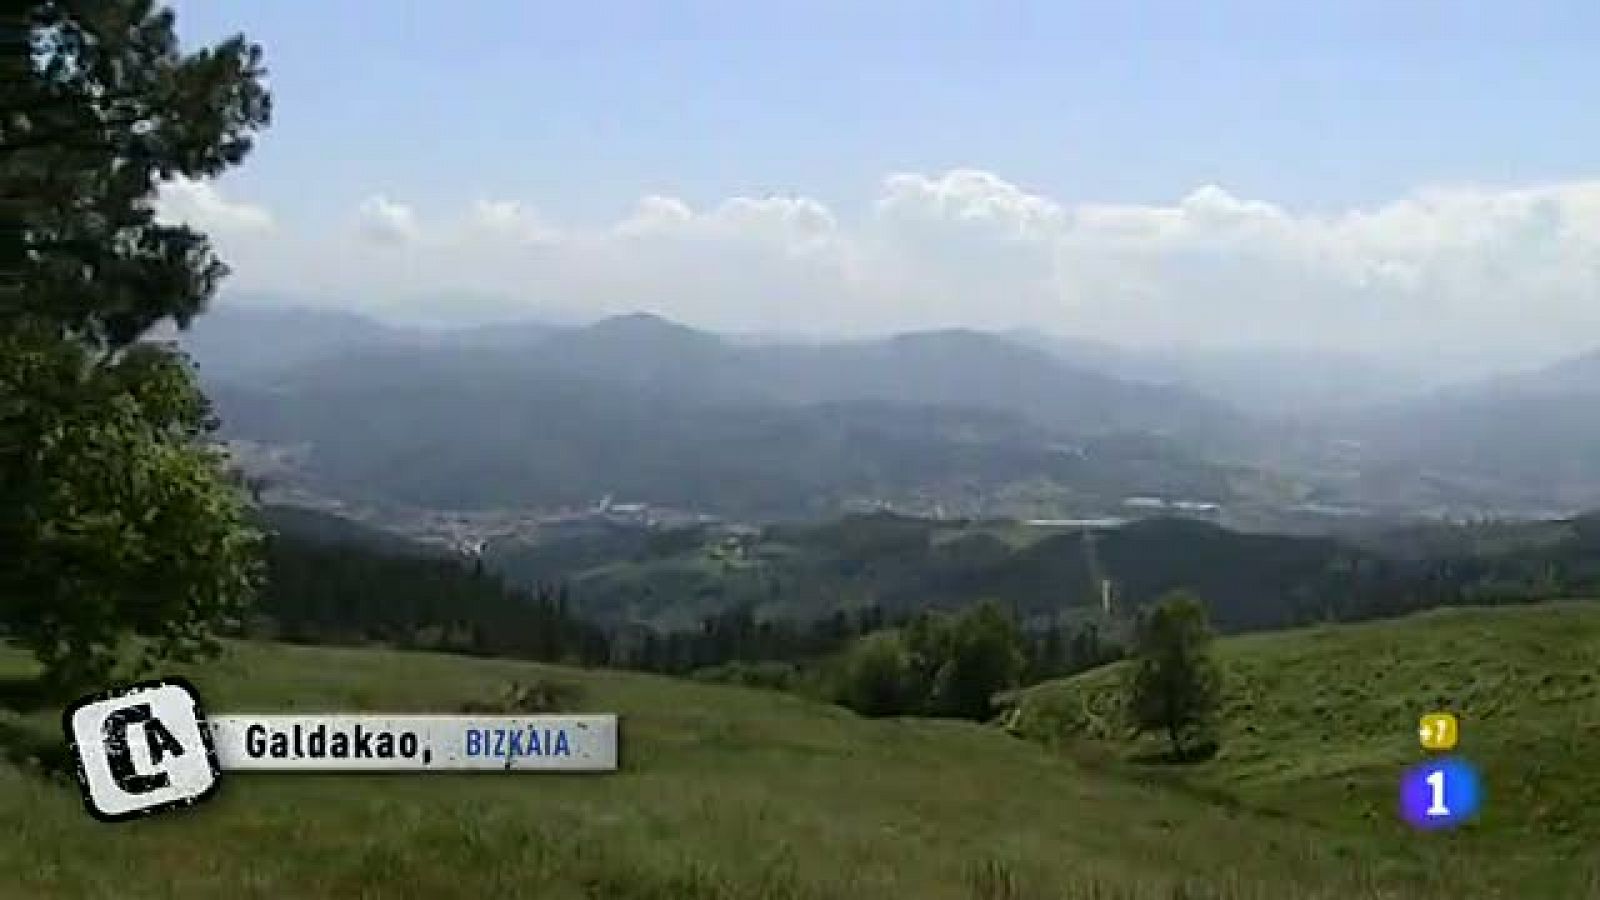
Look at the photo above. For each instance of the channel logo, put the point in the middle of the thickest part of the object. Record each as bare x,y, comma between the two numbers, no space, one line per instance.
1440,794
141,750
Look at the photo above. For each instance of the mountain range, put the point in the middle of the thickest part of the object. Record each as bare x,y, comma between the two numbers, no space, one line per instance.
637,406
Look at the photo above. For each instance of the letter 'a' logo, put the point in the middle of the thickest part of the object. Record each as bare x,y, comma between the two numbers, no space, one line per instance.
141,749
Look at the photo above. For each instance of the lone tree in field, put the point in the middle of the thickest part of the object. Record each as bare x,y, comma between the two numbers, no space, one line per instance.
983,655
876,680
116,517
1175,686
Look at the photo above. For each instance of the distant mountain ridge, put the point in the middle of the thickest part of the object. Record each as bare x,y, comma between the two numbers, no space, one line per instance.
643,407
1260,381
249,343
1533,434
951,367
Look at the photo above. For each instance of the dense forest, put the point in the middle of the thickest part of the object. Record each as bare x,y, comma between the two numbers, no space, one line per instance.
670,580
344,584
321,593
330,581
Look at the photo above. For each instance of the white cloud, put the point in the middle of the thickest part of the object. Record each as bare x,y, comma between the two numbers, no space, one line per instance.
972,197
508,219
1510,274
792,223
655,214
386,221
789,221
199,205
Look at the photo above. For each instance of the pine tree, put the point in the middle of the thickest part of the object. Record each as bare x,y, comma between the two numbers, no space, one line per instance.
115,515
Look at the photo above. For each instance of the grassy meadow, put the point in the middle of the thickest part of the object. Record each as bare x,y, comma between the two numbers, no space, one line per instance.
1318,724
729,792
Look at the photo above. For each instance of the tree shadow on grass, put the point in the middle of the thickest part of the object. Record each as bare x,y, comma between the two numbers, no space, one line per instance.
34,750
1202,752
31,695
33,743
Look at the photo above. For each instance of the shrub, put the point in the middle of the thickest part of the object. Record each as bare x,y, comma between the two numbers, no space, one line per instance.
537,696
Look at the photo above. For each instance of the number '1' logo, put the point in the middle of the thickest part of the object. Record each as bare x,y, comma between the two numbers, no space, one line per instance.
1439,794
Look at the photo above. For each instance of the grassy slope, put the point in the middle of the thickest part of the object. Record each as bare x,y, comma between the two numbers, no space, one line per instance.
728,792
1320,722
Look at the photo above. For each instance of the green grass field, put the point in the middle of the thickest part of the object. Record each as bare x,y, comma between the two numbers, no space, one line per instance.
728,792
1319,723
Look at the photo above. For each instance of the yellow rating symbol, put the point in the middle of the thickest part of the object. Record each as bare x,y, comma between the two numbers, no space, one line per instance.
1439,731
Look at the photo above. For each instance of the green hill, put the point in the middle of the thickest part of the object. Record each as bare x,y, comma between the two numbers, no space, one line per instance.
728,792
1319,723
902,564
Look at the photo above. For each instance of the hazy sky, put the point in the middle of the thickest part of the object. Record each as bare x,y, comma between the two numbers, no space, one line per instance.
1399,177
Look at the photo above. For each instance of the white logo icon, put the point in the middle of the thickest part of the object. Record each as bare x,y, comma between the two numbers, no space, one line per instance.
141,749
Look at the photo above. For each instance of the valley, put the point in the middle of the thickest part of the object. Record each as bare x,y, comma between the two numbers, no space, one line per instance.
735,452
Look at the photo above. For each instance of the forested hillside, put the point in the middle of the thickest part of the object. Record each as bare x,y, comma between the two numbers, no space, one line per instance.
686,599
902,564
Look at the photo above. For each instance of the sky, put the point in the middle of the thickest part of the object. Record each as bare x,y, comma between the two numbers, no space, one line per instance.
1406,179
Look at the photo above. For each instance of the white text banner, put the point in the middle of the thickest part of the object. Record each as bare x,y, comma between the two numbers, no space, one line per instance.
580,743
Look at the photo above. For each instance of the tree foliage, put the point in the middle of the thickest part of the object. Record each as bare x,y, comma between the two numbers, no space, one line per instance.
1176,686
982,656
877,680
115,515
936,665
321,593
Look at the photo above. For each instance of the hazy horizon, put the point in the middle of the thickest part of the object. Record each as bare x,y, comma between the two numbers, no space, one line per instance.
1422,374
1359,181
